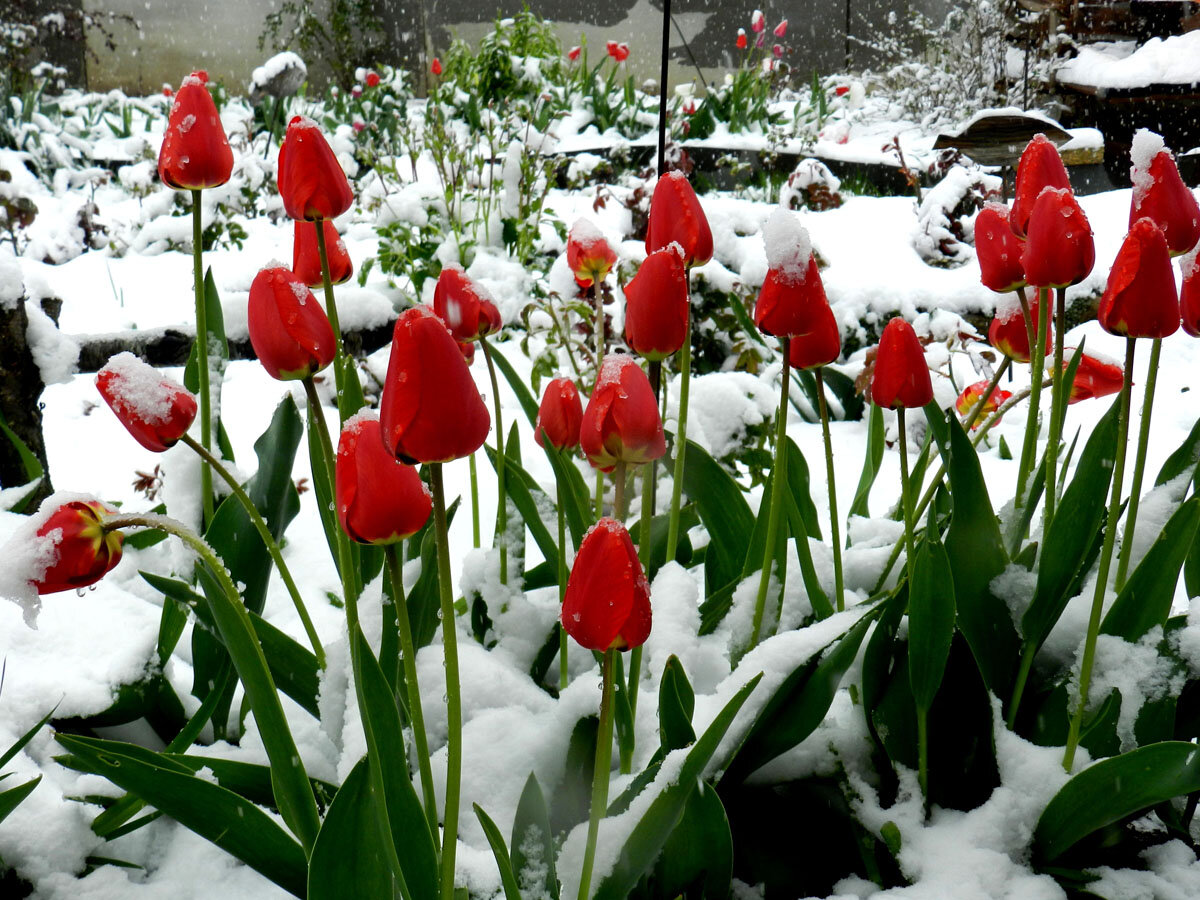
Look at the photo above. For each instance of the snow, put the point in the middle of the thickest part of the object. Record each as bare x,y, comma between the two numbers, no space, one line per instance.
1122,64
1146,146
787,245
12,287
55,354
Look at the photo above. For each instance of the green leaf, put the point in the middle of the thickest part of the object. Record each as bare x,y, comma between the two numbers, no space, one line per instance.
525,494
30,463
676,703
871,462
15,796
322,489
503,862
808,573
348,859
725,515
572,492
572,799
930,619
519,388
1113,790
798,485
698,856
533,843
231,822
19,744
1185,458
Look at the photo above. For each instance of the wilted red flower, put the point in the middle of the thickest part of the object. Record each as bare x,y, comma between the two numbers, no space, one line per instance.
1189,295
306,260
1140,300
901,376
998,250
589,255
656,305
311,181
431,410
195,153
372,79
781,29
607,602
1040,167
379,499
1009,333
1160,194
436,66
464,305
1094,377
621,422
619,52
559,415
289,330
970,397
689,108
154,409
573,53
741,39
80,552
676,215
1059,249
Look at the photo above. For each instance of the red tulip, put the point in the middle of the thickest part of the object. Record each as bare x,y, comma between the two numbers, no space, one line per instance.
468,351
573,53
607,603
781,29
464,305
559,415
901,375
621,422
431,410
1140,299
1040,167
777,51
758,21
998,250
1009,333
289,330
380,500
970,397
1094,377
741,39
588,254
154,409
436,66
656,306
1189,296
619,52
676,215
1160,194
306,260
311,181
1058,248
78,550
372,79
195,153
820,346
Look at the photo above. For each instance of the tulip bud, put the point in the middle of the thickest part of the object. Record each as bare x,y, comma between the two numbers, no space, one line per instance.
998,250
1040,167
464,305
1160,194
621,422
289,330
781,29
62,547
589,256
607,602
777,51
901,376
1189,296
1140,298
758,22
435,67
741,39
154,409
676,215
372,79
1009,332
656,305
380,500
970,395
306,257
431,410
311,181
195,153
1095,377
1058,249
559,415
573,53
468,350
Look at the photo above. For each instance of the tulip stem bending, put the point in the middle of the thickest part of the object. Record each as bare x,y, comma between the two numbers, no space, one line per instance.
1060,322
317,417
600,773
773,515
685,375
272,547
202,373
1037,361
502,498
1110,534
1139,465
835,529
453,697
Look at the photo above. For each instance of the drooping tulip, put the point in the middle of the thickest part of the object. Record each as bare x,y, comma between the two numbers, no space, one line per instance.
589,256
970,396
306,260
1059,249
621,421
289,330
1040,167
311,181
1140,300
1160,194
998,250
77,550
676,215
901,376
380,500
156,410
607,604
465,305
431,410
195,153
559,415
1095,377
656,305
1189,294
1009,332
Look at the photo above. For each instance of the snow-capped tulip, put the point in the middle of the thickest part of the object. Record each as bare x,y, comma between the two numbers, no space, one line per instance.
1160,194
1095,377
289,330
621,422
607,602
464,305
306,260
1009,333
195,153
156,410
435,67
758,22
901,376
676,215
780,29
589,256
311,181
573,53
970,396
998,250
81,552
792,301
379,499
559,415
1040,167
431,410
1140,300
1059,249
741,39
656,305
1189,294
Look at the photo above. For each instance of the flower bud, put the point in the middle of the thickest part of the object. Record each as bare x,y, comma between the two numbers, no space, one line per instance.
1059,249
1009,332
1095,377
1189,295
656,305
607,602
621,422
195,153
589,256
998,250
1160,194
465,305
306,257
559,415
969,398
311,181
379,499
901,376
154,409
289,330
1040,167
676,216
1140,299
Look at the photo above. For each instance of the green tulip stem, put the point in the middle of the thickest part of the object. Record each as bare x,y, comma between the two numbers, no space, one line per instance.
453,695
1139,466
268,539
1106,553
835,528
599,493
202,373
563,671
475,536
619,491
317,417
600,774
1037,361
685,376
415,715
601,343
501,540
906,495
1056,387
331,311
776,501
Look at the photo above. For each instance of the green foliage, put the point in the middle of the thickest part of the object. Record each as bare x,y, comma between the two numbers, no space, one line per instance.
347,34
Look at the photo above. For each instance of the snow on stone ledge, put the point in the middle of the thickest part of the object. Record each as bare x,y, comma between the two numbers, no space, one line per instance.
1174,60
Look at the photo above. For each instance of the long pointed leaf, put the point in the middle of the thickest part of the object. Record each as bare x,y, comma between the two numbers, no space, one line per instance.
348,859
